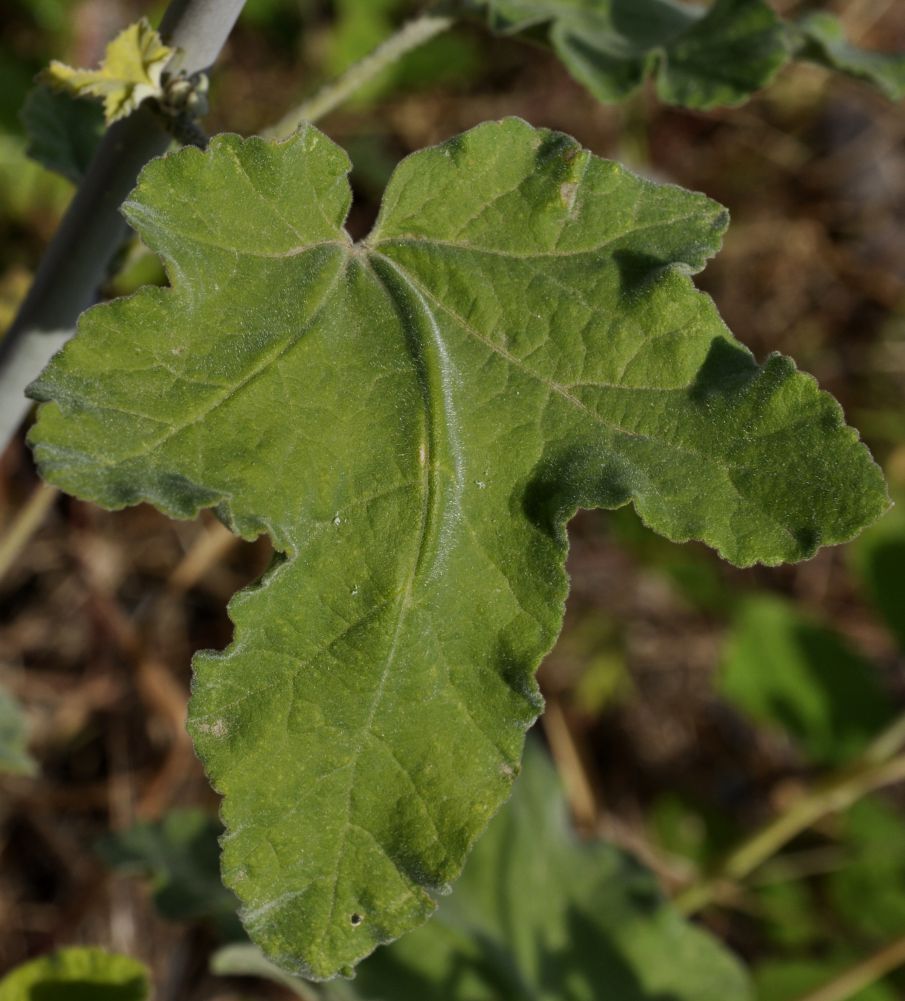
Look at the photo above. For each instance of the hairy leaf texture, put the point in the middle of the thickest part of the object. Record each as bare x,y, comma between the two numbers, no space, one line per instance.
413,420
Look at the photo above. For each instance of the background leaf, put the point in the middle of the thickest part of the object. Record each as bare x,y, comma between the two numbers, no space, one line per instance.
537,915
879,558
782,668
63,131
868,888
77,974
822,40
412,420
699,59
14,756
181,854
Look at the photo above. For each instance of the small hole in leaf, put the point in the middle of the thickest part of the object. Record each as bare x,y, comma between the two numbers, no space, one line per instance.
356,920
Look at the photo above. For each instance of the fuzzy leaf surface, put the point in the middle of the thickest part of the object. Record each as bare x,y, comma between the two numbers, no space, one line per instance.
698,58
413,420
129,73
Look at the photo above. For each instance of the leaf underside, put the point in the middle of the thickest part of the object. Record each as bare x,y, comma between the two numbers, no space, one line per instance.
700,58
413,420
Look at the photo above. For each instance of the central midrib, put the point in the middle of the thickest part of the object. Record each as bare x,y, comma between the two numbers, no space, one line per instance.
428,530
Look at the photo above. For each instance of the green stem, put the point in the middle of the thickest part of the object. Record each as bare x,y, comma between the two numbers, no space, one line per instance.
25,524
880,765
856,978
410,36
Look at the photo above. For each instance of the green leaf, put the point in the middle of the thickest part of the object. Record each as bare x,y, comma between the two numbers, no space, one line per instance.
26,188
14,756
538,916
879,559
791,918
820,38
129,73
783,669
874,875
413,420
180,853
77,974
63,131
698,58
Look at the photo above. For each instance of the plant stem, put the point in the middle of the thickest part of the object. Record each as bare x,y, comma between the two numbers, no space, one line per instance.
25,524
862,975
880,765
410,36
76,262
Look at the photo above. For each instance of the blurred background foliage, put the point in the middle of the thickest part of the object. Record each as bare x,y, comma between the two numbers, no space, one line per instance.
688,702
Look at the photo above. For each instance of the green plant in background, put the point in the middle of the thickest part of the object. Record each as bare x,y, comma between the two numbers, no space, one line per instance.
14,756
698,57
784,669
413,419
77,974
843,886
64,131
181,855
536,915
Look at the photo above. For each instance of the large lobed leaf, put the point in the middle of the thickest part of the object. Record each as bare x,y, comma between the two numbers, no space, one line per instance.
413,420
699,57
